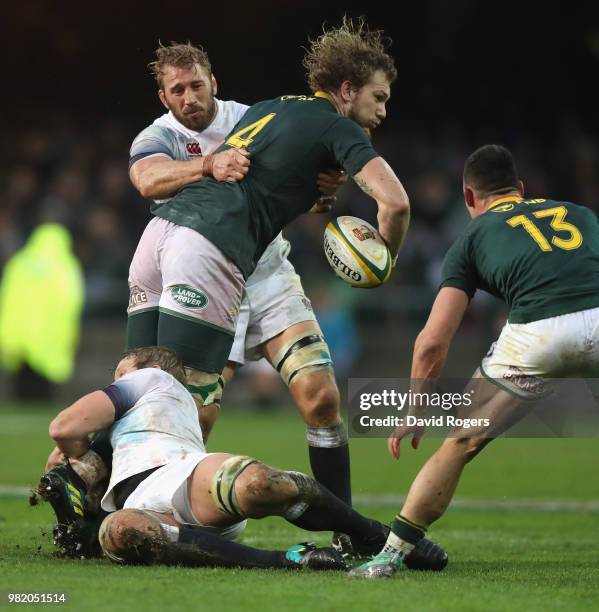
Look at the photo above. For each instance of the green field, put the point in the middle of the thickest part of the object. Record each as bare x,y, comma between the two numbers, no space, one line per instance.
525,533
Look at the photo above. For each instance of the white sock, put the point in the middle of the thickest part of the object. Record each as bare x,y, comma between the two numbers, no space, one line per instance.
397,545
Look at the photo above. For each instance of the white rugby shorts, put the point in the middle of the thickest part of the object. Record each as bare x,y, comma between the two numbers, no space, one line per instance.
565,346
269,307
177,269
166,491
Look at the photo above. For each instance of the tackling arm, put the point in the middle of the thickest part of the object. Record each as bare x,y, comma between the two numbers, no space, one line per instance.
378,180
159,177
71,428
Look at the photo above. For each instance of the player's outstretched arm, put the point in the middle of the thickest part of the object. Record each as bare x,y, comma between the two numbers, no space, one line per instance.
378,180
160,177
71,427
432,343
430,353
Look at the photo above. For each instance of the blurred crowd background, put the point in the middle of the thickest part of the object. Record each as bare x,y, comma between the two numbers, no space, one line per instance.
466,77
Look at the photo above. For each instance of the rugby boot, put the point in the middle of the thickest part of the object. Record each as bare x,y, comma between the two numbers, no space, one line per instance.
66,491
383,565
76,529
342,544
308,555
426,555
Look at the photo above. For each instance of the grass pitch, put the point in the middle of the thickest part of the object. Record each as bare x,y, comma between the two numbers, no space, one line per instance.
544,557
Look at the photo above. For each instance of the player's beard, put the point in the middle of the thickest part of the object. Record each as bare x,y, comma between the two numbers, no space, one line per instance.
199,121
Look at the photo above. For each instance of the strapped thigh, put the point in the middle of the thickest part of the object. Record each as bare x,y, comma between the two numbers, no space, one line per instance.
223,484
306,350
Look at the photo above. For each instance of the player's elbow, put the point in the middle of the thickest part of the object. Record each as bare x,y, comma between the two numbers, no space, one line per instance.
146,187
61,429
145,182
398,206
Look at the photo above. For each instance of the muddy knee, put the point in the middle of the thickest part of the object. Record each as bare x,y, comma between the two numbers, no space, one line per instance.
130,536
244,488
264,490
268,491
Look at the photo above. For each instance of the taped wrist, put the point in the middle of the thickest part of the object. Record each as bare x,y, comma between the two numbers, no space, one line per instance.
299,353
327,437
208,166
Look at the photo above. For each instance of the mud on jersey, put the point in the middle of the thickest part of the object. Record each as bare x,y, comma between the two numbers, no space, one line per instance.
290,139
540,256
156,422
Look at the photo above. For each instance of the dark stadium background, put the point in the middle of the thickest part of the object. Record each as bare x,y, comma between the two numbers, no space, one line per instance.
76,91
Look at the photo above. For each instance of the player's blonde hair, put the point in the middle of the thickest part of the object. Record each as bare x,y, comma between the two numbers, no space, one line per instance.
351,52
149,356
180,55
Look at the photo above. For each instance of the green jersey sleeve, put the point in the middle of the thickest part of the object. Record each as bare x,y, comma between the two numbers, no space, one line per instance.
458,270
349,145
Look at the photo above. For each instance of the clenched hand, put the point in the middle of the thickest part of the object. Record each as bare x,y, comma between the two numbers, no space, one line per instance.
231,165
330,181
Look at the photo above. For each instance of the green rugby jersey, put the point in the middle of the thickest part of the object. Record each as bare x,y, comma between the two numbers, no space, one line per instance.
290,139
540,256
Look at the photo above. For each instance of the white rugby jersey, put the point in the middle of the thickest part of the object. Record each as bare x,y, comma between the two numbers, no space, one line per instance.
169,138
156,423
166,136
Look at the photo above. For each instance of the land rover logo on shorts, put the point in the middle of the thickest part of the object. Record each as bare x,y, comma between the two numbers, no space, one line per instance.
188,297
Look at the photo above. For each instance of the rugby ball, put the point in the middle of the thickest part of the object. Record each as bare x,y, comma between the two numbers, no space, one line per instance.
356,252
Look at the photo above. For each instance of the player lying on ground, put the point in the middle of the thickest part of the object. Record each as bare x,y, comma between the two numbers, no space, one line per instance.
163,481
276,319
542,257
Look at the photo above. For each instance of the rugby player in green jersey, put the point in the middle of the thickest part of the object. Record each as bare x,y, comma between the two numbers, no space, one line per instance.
205,242
542,257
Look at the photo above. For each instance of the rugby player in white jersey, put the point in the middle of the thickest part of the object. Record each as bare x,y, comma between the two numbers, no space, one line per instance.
172,502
